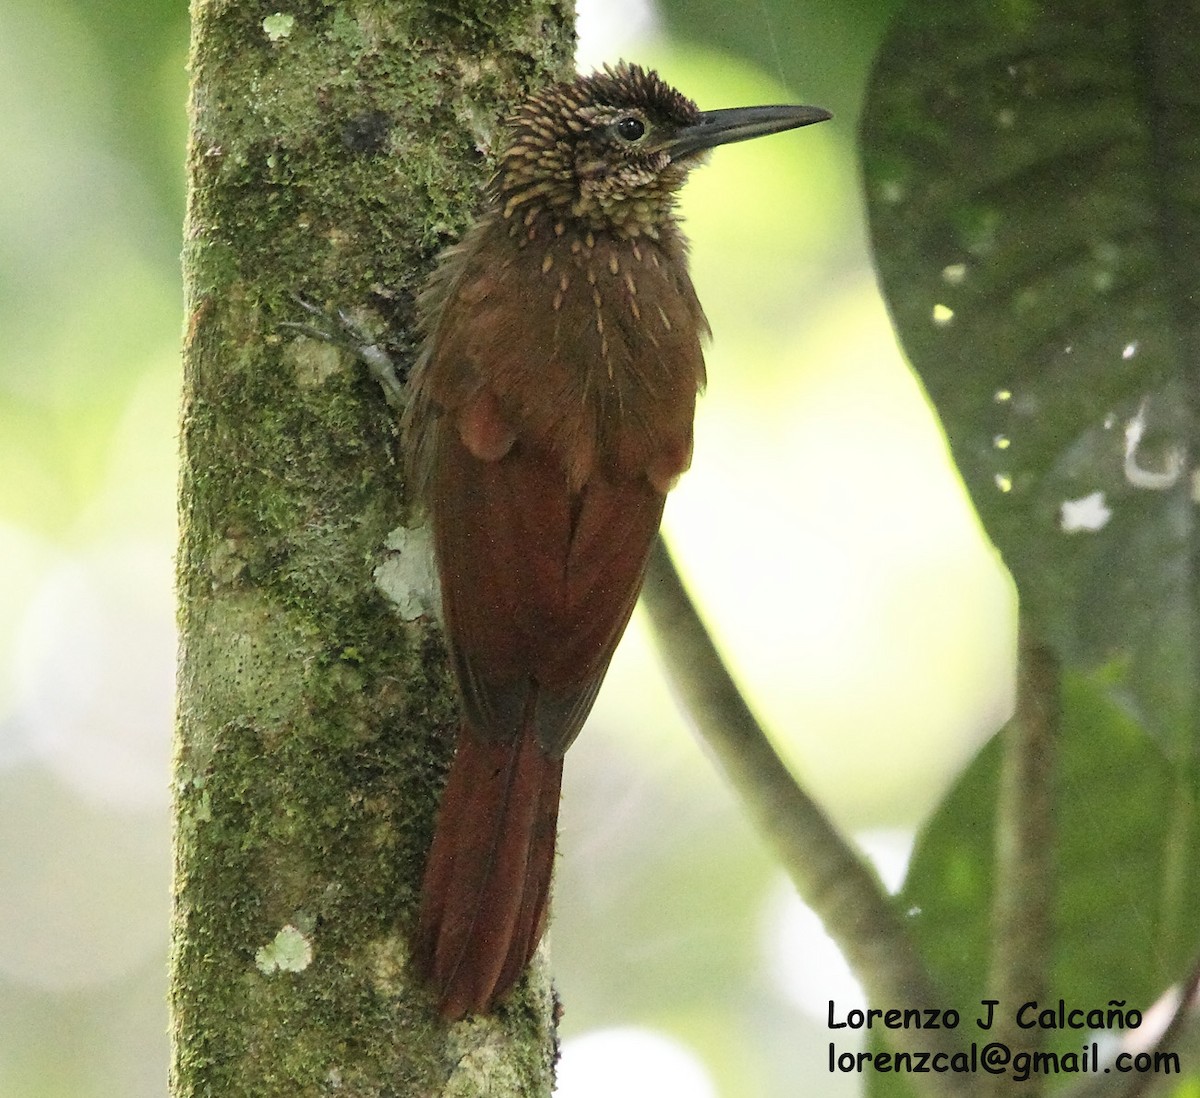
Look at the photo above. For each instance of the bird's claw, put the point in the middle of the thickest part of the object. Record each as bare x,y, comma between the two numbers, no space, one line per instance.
340,329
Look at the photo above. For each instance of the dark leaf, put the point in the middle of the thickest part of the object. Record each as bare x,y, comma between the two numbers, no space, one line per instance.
1033,176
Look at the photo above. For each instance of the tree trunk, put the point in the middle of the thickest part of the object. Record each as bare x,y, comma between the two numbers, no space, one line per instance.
334,148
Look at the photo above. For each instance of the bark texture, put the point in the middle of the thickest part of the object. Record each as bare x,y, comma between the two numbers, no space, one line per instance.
335,147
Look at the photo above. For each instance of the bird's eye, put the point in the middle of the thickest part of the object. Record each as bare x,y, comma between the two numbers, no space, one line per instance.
631,129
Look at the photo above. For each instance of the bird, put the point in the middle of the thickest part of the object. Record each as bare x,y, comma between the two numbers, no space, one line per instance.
550,412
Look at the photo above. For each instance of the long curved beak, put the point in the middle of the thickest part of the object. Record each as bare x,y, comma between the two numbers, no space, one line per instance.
740,124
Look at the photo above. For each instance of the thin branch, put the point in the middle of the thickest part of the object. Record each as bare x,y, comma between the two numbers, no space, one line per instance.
1023,905
828,873
1181,1036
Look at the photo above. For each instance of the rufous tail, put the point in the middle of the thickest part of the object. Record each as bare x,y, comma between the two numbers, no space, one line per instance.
487,880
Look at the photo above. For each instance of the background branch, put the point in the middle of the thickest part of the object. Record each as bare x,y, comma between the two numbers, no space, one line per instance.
830,876
1023,903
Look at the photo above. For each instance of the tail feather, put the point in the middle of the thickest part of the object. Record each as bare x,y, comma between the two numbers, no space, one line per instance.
531,920
487,880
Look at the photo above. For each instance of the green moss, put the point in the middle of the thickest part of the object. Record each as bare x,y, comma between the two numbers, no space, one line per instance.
332,160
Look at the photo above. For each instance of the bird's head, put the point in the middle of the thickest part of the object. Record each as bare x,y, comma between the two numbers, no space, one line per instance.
610,150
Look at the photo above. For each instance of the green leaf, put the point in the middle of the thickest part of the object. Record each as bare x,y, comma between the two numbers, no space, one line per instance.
1114,843
1033,178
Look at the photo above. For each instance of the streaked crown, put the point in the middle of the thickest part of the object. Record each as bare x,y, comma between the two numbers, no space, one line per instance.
596,151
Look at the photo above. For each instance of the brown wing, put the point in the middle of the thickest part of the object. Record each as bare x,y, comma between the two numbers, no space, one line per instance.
537,582
548,449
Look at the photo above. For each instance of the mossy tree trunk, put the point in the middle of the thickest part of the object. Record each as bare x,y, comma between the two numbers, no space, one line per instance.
334,148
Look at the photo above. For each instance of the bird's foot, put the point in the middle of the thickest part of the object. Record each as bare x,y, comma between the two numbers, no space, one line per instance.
340,329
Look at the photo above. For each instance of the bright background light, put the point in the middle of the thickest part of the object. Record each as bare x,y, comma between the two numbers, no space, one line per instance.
634,1063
